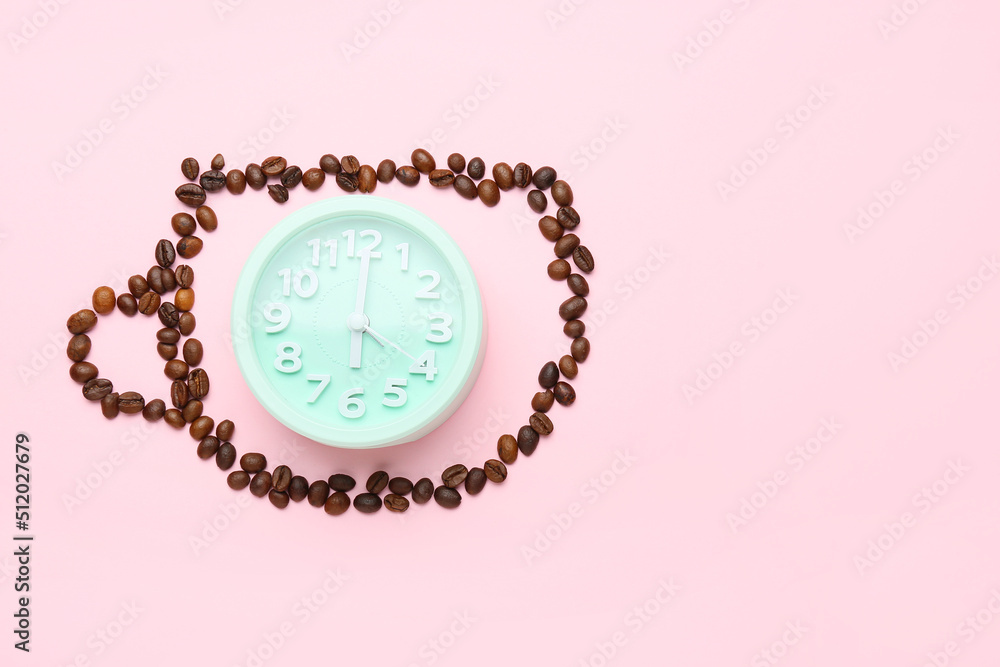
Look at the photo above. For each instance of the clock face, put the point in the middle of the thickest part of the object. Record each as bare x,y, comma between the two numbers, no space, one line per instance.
358,323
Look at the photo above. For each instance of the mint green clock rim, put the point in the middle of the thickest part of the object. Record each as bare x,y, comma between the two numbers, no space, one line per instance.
472,347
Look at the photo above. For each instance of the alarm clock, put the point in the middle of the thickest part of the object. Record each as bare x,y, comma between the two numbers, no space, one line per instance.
358,323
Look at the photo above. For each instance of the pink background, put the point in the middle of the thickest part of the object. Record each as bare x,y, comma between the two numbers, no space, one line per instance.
620,541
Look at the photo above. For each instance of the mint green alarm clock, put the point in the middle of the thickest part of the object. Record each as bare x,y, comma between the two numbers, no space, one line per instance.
358,322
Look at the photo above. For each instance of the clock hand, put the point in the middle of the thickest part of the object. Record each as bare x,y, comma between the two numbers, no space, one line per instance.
357,320
377,335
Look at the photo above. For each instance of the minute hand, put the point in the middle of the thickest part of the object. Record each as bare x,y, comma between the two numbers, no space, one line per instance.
357,333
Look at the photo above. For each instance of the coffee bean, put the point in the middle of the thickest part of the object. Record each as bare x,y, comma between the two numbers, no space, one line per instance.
149,303
192,411
422,160
168,313
337,504
578,284
175,369
154,278
174,417
256,178
260,484
291,176
367,180
400,486
225,429
186,323
503,175
168,335
544,178
565,246
377,481
78,347
367,503
559,269
206,218
109,405
386,171
236,182
495,470
396,503
154,410
274,165
568,367
580,349
347,182
572,308
179,395
465,186
238,480
131,402
476,168
568,217
564,393
507,448
475,482
456,162
137,286
583,259
423,490
183,223
489,193
298,488
447,497
81,321
540,423
218,162
542,401
454,475
213,180
190,168
253,462
522,175
189,246
350,165
278,499
574,328
184,300
201,427
103,300
319,491
198,383
313,179
279,193
442,178
527,440
191,194
127,304
550,228
208,447
225,458
408,176
97,388
549,375
193,352
537,201
184,275
82,371
281,478
329,164
562,193
341,482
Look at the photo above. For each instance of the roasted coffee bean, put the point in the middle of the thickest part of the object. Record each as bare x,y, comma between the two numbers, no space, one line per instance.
97,388
408,175
574,328
179,395
175,369
198,383
253,462
192,411
544,178
225,429
542,401
206,217
329,164
400,486
347,182
447,497
337,504
503,175
260,484
522,175
559,269
191,194
109,405
154,278
367,503
274,165
236,182
137,286
583,259
278,499
81,321
313,179
184,300
568,367
564,393
149,303
103,300
127,304
184,275
175,418
367,180
456,162
572,308
396,503
291,176
82,371
568,217
527,440
549,375
350,165
212,180
238,480
580,349
565,246
279,193
562,194
489,193
225,458
201,427
168,314
256,178
298,488
281,478
168,335
186,323
476,168
465,186
537,201
189,246
422,161
154,410
386,171
168,281
183,223
319,491
377,481
208,447
78,347
550,228
341,482
507,448
442,178
193,352
475,482
131,402
578,284
540,423
190,168
454,475
422,490
495,470
218,162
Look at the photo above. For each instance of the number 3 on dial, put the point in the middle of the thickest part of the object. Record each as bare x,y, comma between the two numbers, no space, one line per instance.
440,333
